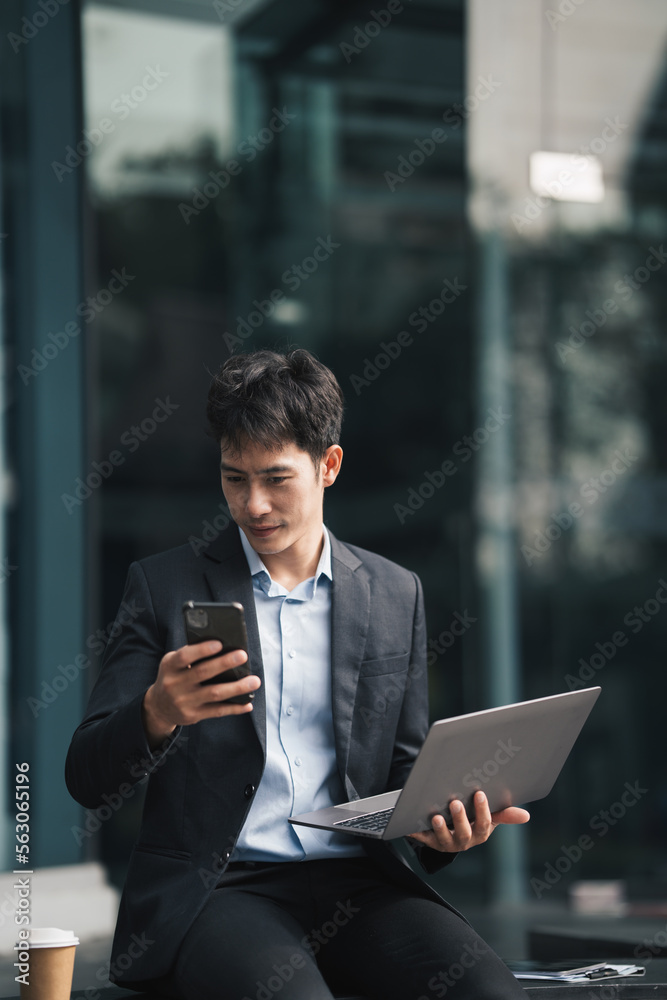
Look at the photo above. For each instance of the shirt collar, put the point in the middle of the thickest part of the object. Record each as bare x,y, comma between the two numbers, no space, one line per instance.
257,567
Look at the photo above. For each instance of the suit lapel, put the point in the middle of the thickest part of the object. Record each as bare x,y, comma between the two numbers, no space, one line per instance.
350,611
229,579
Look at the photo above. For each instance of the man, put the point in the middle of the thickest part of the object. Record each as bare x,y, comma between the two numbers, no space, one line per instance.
232,901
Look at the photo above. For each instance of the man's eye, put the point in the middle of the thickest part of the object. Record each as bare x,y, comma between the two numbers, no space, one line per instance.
232,479
277,479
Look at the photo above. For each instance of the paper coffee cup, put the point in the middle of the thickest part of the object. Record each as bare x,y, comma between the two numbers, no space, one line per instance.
51,963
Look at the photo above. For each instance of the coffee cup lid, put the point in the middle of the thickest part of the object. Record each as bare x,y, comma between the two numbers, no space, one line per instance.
51,937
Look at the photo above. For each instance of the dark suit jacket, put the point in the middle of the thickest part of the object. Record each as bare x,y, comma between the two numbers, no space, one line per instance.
200,785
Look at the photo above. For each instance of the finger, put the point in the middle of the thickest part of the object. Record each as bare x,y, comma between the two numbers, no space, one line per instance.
430,839
218,709
198,701
440,837
483,824
462,833
511,815
443,834
187,655
482,811
425,838
231,689
211,668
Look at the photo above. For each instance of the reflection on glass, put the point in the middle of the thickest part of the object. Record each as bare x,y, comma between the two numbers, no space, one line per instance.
277,176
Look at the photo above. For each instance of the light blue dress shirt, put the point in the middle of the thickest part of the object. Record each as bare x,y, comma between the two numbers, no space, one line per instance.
301,773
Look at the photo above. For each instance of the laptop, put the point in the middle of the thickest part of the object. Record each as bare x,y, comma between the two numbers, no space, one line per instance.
514,754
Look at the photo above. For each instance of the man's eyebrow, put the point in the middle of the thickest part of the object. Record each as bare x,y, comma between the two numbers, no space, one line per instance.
262,472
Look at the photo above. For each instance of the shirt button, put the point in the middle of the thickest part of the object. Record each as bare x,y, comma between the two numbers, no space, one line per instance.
292,653
249,791
297,761
290,710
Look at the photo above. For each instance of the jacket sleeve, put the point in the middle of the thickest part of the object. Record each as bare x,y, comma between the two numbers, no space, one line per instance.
110,747
413,725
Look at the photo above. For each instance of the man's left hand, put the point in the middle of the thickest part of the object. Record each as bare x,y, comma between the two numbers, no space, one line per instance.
463,834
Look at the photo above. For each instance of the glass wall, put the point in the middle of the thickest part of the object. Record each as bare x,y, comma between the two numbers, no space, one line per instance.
582,273
280,184
459,207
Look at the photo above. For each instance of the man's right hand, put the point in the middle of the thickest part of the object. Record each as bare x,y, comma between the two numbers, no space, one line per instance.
177,697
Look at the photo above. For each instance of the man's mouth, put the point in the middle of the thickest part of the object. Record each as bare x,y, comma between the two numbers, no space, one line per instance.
263,531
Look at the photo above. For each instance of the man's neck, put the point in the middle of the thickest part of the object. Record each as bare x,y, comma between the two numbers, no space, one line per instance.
297,563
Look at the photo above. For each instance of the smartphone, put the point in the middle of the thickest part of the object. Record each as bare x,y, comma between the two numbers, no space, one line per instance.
225,622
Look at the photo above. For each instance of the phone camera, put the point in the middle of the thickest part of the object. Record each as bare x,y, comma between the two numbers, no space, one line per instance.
197,617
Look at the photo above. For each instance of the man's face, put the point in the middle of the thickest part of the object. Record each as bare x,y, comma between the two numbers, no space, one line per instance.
275,496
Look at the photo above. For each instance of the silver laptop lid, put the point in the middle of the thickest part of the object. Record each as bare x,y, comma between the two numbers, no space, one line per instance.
513,754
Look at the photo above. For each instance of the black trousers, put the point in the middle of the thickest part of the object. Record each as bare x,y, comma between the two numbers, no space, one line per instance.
310,930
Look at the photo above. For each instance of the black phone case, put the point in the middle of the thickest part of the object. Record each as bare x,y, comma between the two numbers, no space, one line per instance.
226,622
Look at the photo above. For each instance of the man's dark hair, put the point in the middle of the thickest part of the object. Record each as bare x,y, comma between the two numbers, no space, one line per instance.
272,399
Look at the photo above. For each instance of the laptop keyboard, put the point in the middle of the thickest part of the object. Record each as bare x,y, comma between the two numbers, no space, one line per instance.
371,822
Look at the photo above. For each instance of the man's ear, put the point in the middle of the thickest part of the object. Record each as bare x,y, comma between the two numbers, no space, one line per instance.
330,464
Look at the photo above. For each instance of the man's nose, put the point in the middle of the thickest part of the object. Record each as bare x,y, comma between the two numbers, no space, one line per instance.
257,503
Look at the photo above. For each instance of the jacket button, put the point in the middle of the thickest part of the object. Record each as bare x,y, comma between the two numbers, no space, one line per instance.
249,791
227,855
